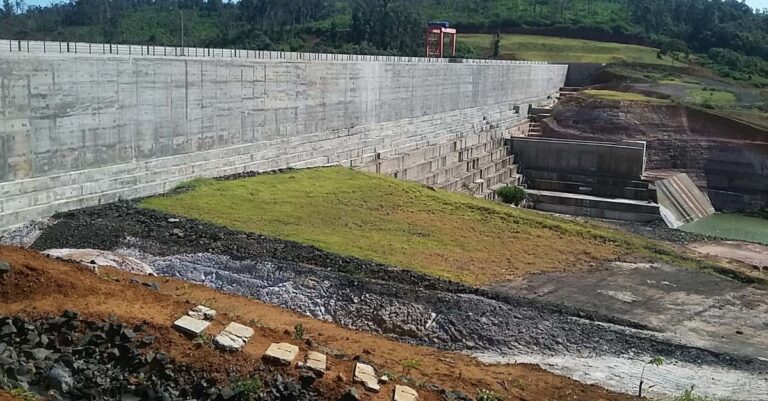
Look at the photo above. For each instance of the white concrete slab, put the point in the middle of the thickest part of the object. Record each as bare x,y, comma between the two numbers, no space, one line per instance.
366,375
239,330
190,325
316,361
282,353
405,393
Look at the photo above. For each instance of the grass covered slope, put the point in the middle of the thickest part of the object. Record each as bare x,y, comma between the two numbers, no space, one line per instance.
374,217
562,50
623,96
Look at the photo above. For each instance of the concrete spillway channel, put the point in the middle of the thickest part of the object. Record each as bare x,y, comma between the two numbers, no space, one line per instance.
496,326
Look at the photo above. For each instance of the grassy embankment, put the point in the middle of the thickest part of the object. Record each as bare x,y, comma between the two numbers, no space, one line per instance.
623,96
374,217
562,50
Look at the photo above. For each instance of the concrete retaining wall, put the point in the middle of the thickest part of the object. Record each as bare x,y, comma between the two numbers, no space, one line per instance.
79,129
626,160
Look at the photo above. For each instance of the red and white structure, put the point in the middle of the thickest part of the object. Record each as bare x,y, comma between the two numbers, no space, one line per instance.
434,39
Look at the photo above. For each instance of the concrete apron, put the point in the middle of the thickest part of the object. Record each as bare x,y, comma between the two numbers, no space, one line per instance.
512,330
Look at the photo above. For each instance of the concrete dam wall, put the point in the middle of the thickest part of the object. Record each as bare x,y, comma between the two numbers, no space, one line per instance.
83,129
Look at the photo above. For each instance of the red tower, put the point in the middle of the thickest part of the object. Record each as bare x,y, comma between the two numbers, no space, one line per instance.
434,39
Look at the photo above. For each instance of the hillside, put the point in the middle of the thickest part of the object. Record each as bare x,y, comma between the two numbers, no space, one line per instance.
562,50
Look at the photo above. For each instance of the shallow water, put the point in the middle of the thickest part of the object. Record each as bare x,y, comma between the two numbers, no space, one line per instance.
731,226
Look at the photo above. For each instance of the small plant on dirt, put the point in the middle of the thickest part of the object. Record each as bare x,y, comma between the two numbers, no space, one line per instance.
488,395
202,339
511,195
24,394
250,389
655,361
298,331
410,364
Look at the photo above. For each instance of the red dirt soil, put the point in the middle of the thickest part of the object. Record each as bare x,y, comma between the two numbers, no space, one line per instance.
8,397
38,286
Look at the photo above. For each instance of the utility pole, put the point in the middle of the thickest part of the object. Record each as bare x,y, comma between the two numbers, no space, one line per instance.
181,13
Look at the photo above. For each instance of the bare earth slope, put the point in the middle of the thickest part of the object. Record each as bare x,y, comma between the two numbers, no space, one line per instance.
37,286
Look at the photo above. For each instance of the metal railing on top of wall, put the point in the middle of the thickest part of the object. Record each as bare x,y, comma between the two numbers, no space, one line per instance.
44,47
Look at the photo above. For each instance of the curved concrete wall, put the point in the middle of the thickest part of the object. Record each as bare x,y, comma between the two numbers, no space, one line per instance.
79,130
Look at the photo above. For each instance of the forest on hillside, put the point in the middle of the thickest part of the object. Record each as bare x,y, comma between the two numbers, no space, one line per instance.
728,33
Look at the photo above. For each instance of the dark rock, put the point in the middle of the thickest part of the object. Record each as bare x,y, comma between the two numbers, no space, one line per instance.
134,281
38,354
127,335
32,338
227,393
5,268
161,358
453,395
54,395
23,373
361,359
350,395
69,314
60,379
307,378
112,354
148,340
7,329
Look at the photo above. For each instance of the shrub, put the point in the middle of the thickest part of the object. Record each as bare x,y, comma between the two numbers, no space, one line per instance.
298,331
248,388
23,394
410,364
688,395
486,395
511,195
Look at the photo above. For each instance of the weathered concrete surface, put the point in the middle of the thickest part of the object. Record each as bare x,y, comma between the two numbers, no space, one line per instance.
233,337
751,254
624,160
79,130
283,353
405,393
190,325
316,361
696,308
366,375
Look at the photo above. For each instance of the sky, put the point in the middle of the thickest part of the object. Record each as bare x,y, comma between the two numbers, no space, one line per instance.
758,3
753,3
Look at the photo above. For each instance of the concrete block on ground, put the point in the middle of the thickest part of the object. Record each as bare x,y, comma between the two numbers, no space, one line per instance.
201,312
366,375
317,362
283,353
190,325
233,337
405,393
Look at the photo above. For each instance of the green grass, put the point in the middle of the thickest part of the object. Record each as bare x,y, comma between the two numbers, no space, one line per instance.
370,216
712,97
623,96
561,50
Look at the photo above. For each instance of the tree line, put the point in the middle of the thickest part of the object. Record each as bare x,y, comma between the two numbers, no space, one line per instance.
393,26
